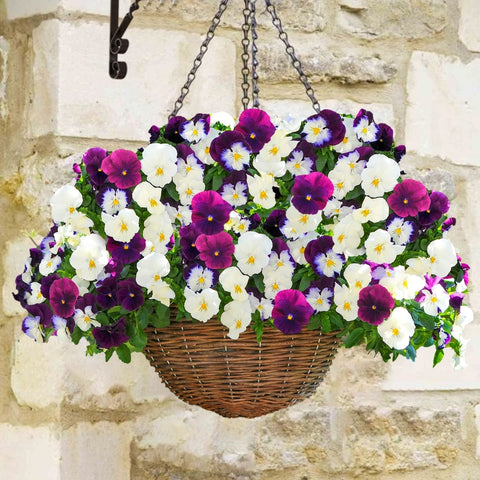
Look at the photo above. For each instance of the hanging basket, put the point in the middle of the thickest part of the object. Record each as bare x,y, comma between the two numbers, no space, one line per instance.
239,378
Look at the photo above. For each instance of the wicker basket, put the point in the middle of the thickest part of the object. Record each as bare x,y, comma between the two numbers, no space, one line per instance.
239,378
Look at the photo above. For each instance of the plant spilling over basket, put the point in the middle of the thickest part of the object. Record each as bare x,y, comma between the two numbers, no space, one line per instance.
291,226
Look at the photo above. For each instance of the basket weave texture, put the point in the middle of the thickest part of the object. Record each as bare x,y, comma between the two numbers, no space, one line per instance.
239,378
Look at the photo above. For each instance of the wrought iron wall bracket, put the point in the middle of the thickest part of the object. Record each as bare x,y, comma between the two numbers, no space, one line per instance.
119,45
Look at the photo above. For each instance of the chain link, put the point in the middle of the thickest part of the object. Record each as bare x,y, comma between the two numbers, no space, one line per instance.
291,53
198,59
245,55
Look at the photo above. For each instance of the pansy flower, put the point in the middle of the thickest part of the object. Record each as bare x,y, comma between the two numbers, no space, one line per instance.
397,329
210,212
123,226
385,139
365,127
129,294
321,256
401,230
188,237
252,252
236,317
274,222
439,205
261,188
291,311
215,250
62,295
231,150
324,128
64,203
195,129
158,230
123,168
126,252
112,199
159,163
46,283
380,175
109,336
234,189
408,198
320,294
90,257
350,141
32,328
42,312
374,304
172,129
202,305
199,277
107,293
301,160
149,197
84,318
93,159
311,192
154,132
151,269
256,127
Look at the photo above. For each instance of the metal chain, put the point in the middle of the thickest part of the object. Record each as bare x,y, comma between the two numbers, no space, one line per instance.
291,53
245,55
253,26
198,59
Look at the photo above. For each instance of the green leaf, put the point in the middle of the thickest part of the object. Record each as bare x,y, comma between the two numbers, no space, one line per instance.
437,358
144,315
161,317
124,353
336,320
108,354
320,163
172,192
411,353
217,182
139,340
315,322
355,193
304,283
354,338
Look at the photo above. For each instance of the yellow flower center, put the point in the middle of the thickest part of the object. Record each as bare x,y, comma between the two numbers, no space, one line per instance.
203,306
210,218
156,278
71,209
395,332
153,202
207,150
237,156
115,202
263,195
238,324
289,316
159,171
251,259
91,264
123,227
315,130
238,289
274,150
375,182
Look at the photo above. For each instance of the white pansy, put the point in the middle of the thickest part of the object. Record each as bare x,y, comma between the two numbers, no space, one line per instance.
199,278
268,166
237,223
366,130
85,319
261,189
269,159
252,251
158,230
436,301
149,197
380,249
320,301
64,202
442,257
49,264
316,131
372,210
162,292
281,262
32,328
189,166
263,305
402,285
82,285
236,157
183,214
347,234
113,200
35,295
236,317
358,275
188,186
151,269
418,266
297,247
80,223
202,148
223,118
345,299
297,164
123,226
353,165
275,281
397,329
62,333
202,305
329,263
193,131
343,181
350,141
234,282
336,207
90,257
159,163
400,230
300,222
380,175
235,195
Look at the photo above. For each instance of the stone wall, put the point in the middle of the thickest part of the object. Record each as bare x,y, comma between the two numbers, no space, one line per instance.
414,63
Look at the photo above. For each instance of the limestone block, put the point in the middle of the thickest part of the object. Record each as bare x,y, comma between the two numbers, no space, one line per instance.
186,437
371,19
477,423
20,9
443,108
306,16
74,95
468,27
99,450
382,112
3,76
30,452
87,382
324,64
405,375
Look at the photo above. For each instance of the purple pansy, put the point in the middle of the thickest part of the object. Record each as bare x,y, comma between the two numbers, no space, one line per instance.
123,168
311,192
448,224
31,328
42,311
324,128
216,250
456,300
399,152
63,296
154,133
93,159
320,255
375,304
231,150
385,140
441,337
107,293
112,199
22,288
255,221
210,212
46,283
303,152
439,205
36,257
129,294
256,127
87,300
291,311
408,198
109,336
188,237
172,130
274,222
365,127
195,129
126,252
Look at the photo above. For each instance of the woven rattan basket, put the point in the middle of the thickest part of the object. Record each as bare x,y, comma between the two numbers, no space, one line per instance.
239,378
